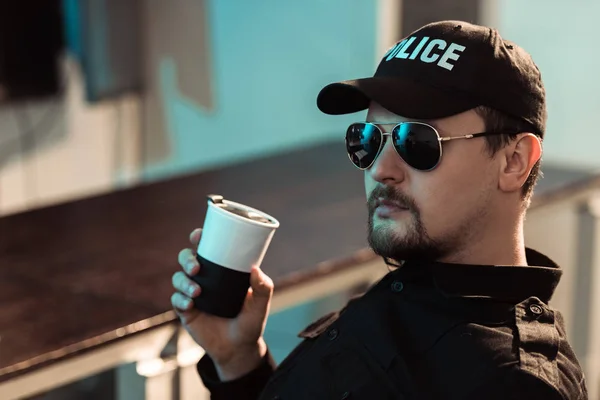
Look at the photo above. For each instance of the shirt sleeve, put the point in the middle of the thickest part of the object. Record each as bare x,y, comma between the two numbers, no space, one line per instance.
246,387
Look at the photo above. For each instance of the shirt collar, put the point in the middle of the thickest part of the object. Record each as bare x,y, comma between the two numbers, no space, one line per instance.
508,283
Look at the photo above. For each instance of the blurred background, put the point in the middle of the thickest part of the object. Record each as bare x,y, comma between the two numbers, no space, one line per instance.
101,95
97,95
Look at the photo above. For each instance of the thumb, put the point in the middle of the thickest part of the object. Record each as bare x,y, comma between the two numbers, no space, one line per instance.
262,286
187,317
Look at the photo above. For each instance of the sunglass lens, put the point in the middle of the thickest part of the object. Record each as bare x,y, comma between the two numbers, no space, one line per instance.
418,145
362,143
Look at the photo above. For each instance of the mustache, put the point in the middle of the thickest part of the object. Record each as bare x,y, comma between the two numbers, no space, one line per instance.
391,194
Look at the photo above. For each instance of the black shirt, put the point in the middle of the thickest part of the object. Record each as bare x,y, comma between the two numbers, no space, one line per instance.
429,331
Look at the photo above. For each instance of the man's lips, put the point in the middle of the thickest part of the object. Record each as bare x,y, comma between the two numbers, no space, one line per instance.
389,204
387,208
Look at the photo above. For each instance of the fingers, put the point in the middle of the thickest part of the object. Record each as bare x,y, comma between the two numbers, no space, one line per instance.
186,289
181,303
182,300
187,260
186,286
195,237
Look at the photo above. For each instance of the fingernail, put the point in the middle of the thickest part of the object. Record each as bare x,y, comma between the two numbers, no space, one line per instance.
191,290
187,303
191,265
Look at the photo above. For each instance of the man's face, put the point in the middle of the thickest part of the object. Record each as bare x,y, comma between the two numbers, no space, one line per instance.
444,209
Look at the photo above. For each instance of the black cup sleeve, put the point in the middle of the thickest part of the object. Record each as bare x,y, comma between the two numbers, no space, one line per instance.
223,290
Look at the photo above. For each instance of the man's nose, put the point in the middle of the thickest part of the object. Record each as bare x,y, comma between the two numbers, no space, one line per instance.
388,166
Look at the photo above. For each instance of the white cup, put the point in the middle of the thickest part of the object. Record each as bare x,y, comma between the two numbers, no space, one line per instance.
235,238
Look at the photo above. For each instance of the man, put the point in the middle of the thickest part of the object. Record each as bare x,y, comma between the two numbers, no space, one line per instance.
450,152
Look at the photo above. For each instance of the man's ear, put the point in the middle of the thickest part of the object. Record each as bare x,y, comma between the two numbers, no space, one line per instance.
518,158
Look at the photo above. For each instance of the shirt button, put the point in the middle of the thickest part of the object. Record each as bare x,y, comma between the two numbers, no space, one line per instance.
345,395
332,334
397,286
536,309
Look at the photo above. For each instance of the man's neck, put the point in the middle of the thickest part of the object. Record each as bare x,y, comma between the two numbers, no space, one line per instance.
504,246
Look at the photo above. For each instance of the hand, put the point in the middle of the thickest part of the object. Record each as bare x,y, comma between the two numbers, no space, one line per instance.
235,345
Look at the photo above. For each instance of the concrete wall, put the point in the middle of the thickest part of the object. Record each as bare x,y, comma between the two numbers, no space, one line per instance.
226,80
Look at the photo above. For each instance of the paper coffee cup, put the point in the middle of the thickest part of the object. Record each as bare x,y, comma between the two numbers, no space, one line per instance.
235,238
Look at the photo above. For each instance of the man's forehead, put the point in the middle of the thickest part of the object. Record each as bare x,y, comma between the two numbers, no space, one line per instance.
377,110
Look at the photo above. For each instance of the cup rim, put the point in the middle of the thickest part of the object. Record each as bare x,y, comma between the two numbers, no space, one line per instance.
273,224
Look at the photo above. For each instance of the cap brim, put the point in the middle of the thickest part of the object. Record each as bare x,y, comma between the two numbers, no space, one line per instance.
404,97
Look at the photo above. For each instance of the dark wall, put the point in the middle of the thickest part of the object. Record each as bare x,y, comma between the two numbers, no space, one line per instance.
31,39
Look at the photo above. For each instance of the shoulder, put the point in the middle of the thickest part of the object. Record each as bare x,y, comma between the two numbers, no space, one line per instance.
524,354
517,384
545,354
317,327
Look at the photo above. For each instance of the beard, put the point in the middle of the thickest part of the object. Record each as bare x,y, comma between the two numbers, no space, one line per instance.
413,243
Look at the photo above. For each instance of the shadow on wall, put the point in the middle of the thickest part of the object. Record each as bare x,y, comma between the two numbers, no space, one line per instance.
178,31
228,83
29,127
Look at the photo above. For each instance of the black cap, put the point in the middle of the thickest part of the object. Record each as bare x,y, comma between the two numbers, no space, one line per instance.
445,68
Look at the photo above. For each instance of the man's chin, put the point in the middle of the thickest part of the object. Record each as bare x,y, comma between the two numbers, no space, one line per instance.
392,238
388,233
397,225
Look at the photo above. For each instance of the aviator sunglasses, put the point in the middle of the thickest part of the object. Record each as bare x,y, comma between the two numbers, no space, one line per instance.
417,143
